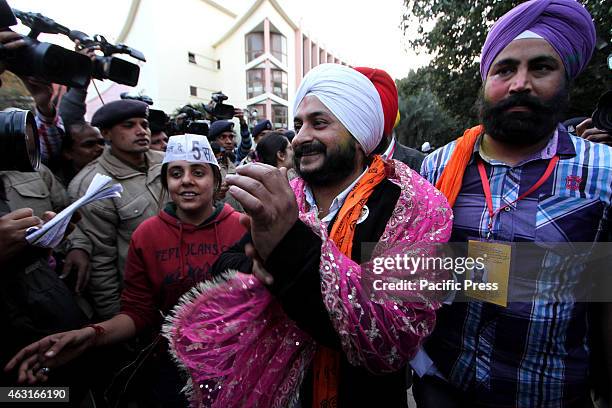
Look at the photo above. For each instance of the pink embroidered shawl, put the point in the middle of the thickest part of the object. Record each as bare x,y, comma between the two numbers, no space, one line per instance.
239,347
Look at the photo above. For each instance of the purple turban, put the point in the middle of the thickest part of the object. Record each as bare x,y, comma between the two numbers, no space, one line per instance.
565,24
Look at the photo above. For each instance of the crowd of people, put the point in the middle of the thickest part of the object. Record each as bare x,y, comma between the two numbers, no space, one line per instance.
235,269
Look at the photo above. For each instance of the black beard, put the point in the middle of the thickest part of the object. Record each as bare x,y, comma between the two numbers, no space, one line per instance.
337,165
523,128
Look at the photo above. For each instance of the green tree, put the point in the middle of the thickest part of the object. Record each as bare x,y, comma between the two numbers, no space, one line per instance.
455,41
423,118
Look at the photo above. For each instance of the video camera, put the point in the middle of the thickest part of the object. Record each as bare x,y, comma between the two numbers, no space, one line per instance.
46,61
602,117
217,109
158,120
137,97
109,67
189,120
56,64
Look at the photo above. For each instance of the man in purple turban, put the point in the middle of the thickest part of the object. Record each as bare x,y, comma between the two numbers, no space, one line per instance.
521,177
565,24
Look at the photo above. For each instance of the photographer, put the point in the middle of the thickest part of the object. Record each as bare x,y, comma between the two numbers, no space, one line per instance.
33,300
222,132
158,121
40,190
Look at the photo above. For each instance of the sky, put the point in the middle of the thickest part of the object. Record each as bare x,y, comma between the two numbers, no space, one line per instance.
354,30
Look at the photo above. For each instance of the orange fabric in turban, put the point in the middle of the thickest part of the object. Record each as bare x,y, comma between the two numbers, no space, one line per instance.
385,85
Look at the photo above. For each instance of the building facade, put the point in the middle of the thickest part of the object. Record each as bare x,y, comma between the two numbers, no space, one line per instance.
256,57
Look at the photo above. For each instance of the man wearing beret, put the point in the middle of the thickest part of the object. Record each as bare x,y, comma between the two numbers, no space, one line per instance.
109,223
222,132
262,128
520,177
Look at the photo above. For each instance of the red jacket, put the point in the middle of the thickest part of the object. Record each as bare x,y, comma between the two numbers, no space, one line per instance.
157,273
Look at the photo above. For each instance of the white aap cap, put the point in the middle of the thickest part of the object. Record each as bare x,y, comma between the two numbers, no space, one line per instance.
191,148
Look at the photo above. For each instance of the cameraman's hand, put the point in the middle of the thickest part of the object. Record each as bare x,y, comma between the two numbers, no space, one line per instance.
239,113
13,228
42,92
9,40
592,134
88,52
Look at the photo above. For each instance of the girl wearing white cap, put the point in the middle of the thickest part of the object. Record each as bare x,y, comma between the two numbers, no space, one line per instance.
168,255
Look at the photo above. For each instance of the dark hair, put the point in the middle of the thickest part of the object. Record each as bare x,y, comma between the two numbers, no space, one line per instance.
70,130
164,182
269,145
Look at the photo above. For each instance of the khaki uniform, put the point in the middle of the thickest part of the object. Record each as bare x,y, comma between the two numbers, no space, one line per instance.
109,223
41,191
38,190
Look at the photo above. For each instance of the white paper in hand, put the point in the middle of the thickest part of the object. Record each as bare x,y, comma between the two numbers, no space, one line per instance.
52,233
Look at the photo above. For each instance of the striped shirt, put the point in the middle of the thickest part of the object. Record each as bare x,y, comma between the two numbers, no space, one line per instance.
530,353
50,134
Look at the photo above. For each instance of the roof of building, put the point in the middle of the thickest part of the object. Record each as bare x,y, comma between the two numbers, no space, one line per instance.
240,20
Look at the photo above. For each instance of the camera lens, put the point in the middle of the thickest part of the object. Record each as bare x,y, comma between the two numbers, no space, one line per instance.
19,141
602,117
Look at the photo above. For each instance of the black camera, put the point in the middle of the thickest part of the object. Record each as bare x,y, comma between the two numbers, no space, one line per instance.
158,120
137,97
602,117
19,148
217,109
189,120
45,61
107,66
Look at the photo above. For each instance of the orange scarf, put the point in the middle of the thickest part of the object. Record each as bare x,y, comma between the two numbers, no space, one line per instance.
326,364
451,179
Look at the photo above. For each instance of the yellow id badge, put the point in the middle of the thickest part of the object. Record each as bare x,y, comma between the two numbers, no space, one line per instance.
488,280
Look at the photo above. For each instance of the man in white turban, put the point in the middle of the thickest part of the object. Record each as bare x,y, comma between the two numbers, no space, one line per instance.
309,326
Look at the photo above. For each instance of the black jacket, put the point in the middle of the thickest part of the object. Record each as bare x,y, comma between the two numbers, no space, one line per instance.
412,157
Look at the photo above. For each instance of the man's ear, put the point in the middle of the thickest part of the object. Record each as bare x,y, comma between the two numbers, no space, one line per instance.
66,155
105,134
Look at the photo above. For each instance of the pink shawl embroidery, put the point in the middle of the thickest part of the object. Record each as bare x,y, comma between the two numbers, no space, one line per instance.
239,347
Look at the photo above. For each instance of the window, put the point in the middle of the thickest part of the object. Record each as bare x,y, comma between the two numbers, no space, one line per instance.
255,82
193,91
279,116
279,83
313,55
305,56
254,45
256,113
278,43
191,57
322,59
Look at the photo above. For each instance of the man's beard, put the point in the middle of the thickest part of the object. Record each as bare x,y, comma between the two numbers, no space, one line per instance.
523,128
338,164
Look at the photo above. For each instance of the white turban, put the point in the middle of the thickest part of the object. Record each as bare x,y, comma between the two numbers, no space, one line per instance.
351,97
191,148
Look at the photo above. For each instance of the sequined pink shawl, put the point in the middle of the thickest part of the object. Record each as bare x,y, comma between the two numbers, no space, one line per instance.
241,350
